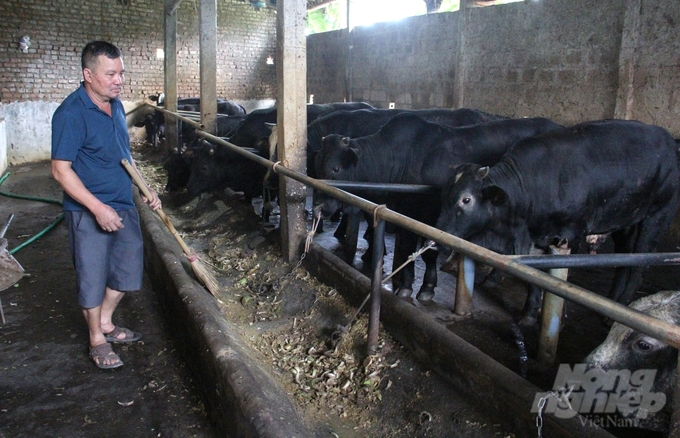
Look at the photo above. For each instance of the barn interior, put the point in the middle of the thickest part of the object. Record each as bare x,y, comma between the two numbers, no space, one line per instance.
569,61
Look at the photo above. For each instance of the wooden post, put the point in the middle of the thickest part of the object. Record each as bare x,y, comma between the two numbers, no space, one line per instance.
170,78
291,75
208,60
629,39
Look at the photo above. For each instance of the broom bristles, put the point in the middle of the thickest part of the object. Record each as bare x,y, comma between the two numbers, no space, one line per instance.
200,271
206,277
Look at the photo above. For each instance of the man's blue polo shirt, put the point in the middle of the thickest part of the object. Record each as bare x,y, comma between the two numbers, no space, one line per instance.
95,144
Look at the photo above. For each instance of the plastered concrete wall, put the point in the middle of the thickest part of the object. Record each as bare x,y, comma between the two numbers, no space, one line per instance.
656,71
570,60
29,130
555,58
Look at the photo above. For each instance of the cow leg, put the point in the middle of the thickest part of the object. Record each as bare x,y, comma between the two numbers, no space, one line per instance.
624,242
367,257
426,291
405,244
351,236
529,315
341,230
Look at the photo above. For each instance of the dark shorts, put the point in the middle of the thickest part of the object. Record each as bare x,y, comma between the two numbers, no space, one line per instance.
102,259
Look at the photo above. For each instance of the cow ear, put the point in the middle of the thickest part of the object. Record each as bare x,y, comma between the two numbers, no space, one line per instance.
354,155
495,194
482,172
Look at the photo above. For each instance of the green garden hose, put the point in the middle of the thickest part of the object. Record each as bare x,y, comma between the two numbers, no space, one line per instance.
32,198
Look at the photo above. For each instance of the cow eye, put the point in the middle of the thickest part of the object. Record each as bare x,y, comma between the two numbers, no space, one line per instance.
466,200
644,346
336,169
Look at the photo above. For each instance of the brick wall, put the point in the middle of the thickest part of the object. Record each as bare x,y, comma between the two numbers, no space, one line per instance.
60,28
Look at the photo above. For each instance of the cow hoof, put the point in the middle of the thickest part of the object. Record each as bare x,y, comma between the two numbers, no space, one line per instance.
527,320
404,293
426,293
367,259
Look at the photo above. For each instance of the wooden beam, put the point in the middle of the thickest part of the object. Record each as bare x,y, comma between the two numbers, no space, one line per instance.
630,35
291,76
208,63
170,76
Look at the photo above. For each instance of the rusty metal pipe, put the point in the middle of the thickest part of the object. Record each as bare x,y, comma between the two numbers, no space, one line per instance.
597,260
664,331
376,286
465,286
551,315
367,186
182,118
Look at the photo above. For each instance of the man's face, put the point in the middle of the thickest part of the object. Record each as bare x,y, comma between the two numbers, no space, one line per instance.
106,78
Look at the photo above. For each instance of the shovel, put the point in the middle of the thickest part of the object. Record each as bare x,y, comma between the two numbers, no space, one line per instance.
10,270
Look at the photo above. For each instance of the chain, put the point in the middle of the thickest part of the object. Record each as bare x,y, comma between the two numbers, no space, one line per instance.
562,394
310,236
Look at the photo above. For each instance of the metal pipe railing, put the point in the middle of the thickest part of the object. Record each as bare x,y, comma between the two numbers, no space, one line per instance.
196,125
664,331
597,260
367,186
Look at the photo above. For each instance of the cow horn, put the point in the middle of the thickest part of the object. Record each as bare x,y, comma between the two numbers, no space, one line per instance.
482,172
344,141
211,151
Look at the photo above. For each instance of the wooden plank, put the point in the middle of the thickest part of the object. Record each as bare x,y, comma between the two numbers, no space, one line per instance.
292,121
170,78
208,63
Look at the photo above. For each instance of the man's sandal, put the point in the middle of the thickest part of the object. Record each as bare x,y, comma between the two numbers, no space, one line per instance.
130,336
103,352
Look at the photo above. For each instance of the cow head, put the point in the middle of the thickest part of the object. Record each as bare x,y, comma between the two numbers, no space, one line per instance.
628,350
472,206
336,156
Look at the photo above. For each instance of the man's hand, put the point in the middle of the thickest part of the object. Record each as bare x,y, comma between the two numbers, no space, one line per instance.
155,201
108,218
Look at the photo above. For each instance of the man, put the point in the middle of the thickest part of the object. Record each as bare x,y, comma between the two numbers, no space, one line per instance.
89,140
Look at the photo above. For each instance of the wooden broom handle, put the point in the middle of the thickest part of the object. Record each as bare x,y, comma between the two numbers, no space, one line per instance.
139,182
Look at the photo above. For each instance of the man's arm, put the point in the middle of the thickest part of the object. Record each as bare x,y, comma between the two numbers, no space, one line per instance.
107,218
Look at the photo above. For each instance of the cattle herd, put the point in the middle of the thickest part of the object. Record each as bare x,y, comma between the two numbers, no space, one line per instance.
515,186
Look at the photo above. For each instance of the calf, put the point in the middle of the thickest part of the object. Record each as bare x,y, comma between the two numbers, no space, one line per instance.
410,150
611,176
628,350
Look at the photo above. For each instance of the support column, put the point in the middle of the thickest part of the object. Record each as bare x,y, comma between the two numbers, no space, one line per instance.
630,35
208,59
291,76
170,77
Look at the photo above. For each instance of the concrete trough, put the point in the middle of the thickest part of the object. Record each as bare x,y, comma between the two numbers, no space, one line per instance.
244,400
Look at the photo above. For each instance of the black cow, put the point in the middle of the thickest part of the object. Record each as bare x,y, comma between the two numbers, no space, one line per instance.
360,123
611,176
216,167
155,122
410,150
254,127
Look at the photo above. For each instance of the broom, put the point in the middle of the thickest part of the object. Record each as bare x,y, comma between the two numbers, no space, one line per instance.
199,270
